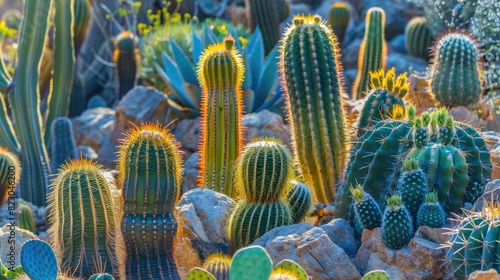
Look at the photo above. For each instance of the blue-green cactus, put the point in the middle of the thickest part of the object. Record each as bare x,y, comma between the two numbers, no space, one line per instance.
63,146
397,225
39,260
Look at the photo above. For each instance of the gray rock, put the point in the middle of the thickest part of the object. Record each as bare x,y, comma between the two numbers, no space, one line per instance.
402,62
310,247
349,78
491,193
108,154
436,235
86,152
187,132
190,175
94,127
342,234
19,236
350,55
265,124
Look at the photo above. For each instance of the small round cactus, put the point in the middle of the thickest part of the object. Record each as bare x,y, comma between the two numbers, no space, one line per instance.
412,186
366,209
218,265
397,225
299,199
431,213
25,218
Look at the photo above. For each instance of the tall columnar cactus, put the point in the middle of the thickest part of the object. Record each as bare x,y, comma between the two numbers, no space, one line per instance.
267,15
150,177
10,173
375,161
445,166
262,176
63,147
83,224
338,18
218,265
25,218
418,37
82,12
430,213
366,208
412,186
455,71
312,78
386,92
299,199
397,225
220,71
372,52
127,60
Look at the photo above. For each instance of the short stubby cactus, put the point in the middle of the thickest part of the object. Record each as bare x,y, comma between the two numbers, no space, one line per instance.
63,146
10,173
312,78
338,18
127,60
150,178
299,199
25,218
218,265
418,37
412,186
386,92
455,79
366,208
431,213
372,52
397,225
220,72
82,220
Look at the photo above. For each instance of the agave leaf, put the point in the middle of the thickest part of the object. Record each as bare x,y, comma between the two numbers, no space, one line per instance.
255,57
184,112
268,79
232,32
248,100
194,93
186,68
277,95
208,36
247,76
257,35
173,79
198,47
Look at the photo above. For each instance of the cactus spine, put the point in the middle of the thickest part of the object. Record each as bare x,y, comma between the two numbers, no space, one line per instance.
82,221
431,213
150,177
418,38
10,173
25,218
262,175
299,199
126,58
63,147
338,18
372,52
220,71
455,71
312,79
397,225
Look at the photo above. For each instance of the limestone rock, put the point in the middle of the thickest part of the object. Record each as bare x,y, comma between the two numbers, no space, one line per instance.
491,274
491,193
436,235
342,234
20,236
86,152
265,124
94,127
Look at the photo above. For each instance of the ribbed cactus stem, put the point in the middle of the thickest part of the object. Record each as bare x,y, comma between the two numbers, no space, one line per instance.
10,173
82,220
63,147
312,79
299,199
397,226
431,213
372,52
82,12
220,72
338,18
418,37
25,218
126,58
266,15
218,265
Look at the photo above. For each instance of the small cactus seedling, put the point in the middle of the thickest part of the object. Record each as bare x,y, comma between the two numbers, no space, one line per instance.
376,275
366,208
218,265
299,199
39,260
10,173
431,213
418,37
25,218
338,18
126,58
397,225
412,186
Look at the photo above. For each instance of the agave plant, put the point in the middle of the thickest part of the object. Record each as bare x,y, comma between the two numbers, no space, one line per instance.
260,84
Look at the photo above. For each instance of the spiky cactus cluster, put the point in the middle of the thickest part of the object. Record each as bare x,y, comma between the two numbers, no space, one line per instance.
10,173
220,72
372,52
150,178
397,225
312,79
127,60
386,92
455,71
63,147
338,18
82,219
418,37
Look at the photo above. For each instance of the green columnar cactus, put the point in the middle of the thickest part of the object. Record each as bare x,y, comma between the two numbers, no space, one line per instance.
25,218
82,12
431,213
63,147
150,176
376,275
220,71
262,176
267,15
312,79
366,208
83,224
412,186
96,101
64,63
372,52
455,71
445,166
397,225
375,161
386,92
10,173
299,199
338,18
418,38
78,96
218,265
127,60
39,260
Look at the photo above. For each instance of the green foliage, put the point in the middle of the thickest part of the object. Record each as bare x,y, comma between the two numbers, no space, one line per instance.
338,18
397,225
366,208
299,198
25,218
10,174
39,260
63,147
314,93
431,213
418,38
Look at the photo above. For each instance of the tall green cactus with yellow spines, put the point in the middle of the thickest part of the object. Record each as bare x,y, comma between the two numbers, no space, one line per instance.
220,72
418,38
10,173
127,60
386,92
267,15
455,71
338,18
82,12
372,52
150,177
312,78
83,224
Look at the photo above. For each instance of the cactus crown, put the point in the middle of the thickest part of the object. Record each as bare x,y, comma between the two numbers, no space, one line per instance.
398,112
125,41
394,202
309,20
217,263
410,165
431,198
398,86
357,193
444,125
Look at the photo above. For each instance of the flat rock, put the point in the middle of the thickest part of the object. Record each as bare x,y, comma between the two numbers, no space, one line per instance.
94,127
403,62
491,193
342,234
265,124
187,132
